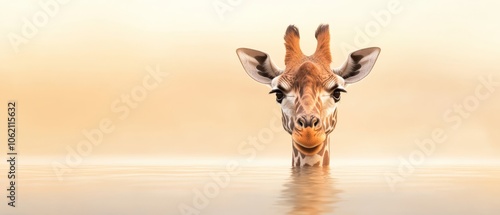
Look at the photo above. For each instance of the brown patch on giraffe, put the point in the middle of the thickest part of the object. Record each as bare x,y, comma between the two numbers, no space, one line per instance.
334,119
326,158
318,105
261,69
351,74
307,78
302,155
322,148
356,58
296,161
355,70
355,67
261,59
317,164
262,72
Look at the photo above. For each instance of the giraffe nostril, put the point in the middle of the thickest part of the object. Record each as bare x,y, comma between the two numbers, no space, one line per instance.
308,121
315,122
301,122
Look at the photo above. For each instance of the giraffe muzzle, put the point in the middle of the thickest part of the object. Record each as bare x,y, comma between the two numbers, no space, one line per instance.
309,140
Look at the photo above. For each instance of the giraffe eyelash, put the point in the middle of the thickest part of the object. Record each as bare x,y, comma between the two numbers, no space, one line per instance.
275,91
279,95
336,94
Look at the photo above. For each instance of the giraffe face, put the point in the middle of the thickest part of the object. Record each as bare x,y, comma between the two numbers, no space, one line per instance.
308,90
308,95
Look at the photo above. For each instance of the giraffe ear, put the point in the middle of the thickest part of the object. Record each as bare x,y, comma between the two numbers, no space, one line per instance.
258,65
358,65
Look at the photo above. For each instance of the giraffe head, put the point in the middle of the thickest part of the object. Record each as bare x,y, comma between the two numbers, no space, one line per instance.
308,89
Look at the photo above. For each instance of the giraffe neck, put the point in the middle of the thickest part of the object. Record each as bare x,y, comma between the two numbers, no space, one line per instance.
322,158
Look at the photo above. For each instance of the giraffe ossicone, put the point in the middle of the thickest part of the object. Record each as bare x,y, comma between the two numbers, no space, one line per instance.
308,90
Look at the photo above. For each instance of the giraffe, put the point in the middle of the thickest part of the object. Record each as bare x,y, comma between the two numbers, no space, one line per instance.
308,90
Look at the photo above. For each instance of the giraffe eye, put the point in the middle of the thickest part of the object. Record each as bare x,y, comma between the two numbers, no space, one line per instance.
336,94
279,95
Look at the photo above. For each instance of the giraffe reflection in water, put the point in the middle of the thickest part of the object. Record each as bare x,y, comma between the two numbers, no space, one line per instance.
310,190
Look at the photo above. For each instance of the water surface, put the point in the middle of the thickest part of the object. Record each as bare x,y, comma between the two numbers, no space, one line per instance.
211,189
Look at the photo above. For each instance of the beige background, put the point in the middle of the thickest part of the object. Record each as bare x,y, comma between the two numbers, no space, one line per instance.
67,76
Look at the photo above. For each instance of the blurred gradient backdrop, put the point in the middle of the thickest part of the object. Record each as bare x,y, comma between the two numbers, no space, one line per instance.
67,77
